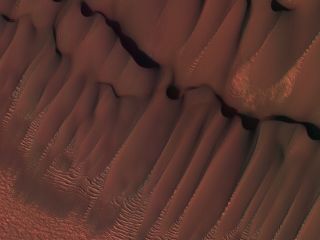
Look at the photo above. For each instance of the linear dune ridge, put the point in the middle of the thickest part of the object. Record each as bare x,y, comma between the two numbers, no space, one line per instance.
159,119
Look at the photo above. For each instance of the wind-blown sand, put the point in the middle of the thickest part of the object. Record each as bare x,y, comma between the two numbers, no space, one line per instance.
153,119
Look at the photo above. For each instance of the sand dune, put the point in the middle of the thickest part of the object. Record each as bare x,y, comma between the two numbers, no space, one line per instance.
159,119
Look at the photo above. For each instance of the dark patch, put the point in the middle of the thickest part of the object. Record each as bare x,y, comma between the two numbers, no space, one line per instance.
249,123
140,57
58,52
54,35
202,4
111,87
277,7
86,10
227,111
245,18
173,92
313,131
6,18
284,119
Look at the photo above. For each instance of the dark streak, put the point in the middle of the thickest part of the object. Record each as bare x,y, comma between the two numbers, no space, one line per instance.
227,111
283,119
312,130
111,87
86,10
6,18
141,58
58,52
277,7
173,92
249,123
54,34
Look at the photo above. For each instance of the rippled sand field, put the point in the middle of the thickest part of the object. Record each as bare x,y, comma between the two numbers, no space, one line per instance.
159,119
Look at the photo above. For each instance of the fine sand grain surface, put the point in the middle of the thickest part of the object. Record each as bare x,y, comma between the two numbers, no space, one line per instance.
159,119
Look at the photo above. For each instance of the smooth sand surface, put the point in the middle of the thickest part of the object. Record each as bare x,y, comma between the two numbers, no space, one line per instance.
159,119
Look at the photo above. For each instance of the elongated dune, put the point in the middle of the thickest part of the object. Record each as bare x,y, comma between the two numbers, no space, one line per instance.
159,119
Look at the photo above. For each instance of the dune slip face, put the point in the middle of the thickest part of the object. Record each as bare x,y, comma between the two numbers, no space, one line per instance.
159,119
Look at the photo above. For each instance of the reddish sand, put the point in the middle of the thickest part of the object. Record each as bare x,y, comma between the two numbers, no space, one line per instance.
154,119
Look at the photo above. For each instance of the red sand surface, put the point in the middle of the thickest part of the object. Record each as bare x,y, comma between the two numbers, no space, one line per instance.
153,119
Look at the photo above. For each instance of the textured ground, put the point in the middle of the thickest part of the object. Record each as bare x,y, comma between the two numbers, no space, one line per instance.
159,119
